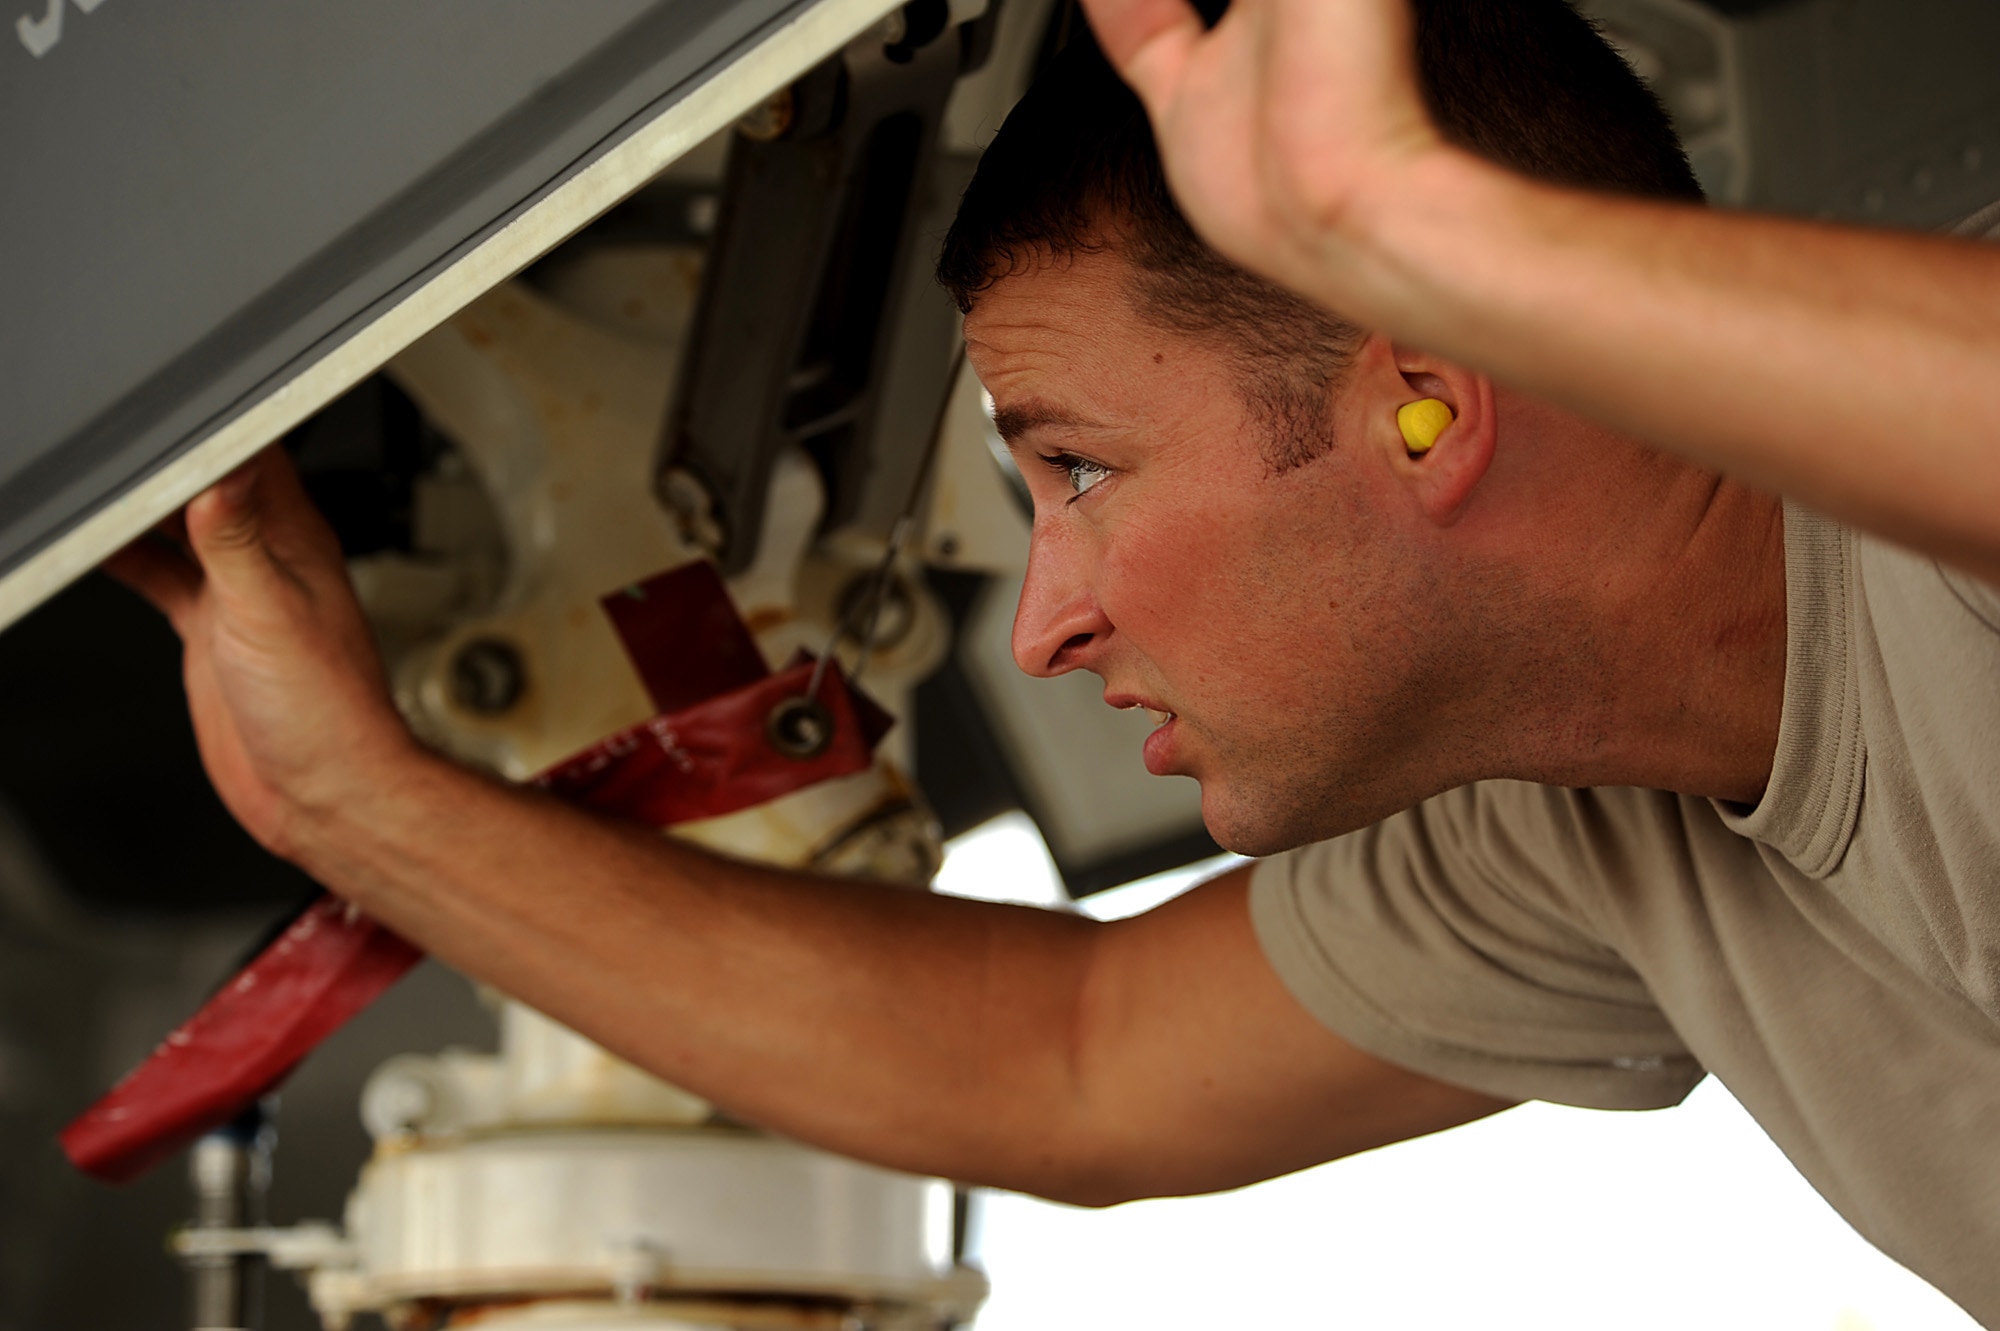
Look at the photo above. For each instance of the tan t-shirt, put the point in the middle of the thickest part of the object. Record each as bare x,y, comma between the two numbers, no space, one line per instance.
1833,955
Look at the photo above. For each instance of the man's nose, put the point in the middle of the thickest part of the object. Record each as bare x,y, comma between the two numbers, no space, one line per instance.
1058,626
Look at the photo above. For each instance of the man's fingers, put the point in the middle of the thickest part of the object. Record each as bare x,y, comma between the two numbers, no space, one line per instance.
232,539
160,571
1148,42
227,529
295,531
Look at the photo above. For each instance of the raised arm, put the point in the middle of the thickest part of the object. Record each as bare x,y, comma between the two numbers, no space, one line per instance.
1858,371
995,1044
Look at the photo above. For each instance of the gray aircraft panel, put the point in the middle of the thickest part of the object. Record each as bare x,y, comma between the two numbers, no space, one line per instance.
203,200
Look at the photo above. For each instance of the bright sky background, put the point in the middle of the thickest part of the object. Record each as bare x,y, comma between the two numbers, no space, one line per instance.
1542,1217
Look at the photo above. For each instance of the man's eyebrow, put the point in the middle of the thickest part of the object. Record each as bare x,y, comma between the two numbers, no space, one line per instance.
1016,421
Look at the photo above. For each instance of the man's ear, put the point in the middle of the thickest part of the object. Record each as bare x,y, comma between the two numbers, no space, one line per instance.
1442,475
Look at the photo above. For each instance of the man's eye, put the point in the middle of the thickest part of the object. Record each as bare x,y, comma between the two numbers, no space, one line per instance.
1081,473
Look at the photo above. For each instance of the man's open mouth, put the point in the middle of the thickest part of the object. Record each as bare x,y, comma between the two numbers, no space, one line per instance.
1160,715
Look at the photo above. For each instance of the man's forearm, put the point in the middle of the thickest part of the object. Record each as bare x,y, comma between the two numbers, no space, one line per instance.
1856,370
918,1031
992,1044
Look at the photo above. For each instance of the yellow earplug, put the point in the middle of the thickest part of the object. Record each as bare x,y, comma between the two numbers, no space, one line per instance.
1422,422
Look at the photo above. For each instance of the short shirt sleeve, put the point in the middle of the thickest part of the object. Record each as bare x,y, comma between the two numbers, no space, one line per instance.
1446,940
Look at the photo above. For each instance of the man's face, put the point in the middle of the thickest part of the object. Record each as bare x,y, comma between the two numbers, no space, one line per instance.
1269,613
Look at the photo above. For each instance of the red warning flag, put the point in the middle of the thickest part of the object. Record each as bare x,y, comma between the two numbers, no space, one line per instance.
331,963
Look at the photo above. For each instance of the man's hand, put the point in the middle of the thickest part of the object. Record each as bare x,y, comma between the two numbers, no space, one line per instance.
1275,127
287,693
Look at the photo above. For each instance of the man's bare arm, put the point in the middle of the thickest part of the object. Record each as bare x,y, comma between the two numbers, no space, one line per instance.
996,1044
1852,369
1004,1045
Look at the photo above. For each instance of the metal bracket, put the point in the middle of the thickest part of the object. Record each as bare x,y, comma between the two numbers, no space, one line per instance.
804,333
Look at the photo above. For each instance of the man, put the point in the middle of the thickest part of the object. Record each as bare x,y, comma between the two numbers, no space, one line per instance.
1629,769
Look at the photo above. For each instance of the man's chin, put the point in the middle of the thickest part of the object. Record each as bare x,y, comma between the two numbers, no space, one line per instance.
1250,826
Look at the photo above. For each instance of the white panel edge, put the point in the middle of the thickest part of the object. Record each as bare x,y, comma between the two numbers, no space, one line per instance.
777,60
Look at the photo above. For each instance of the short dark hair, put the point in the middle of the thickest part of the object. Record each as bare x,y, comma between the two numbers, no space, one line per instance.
1530,84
